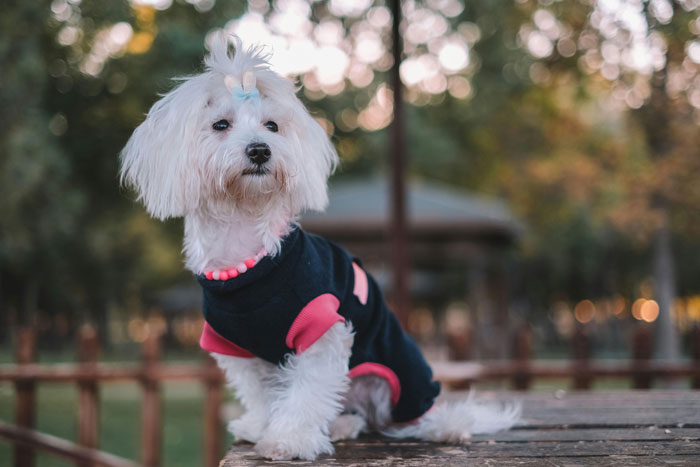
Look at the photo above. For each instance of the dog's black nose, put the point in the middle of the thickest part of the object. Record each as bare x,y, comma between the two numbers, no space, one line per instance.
258,153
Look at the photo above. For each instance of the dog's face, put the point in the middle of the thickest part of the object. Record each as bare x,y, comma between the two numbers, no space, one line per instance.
235,136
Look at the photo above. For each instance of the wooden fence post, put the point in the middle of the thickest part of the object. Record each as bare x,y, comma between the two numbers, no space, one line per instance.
26,395
88,391
581,358
641,353
695,343
212,415
151,415
459,343
522,353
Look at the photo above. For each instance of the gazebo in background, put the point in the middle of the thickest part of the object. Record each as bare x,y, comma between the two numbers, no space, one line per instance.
459,246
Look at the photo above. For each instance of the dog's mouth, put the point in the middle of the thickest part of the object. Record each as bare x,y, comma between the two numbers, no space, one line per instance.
257,171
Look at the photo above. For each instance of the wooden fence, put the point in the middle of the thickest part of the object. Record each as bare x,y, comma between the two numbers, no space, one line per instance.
582,369
521,370
88,374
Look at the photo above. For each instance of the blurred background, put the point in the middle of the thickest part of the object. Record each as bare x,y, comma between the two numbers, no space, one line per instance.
552,153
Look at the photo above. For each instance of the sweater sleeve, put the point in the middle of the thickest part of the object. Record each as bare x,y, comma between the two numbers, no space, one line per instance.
313,321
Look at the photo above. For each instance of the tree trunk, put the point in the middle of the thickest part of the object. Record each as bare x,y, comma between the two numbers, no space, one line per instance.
666,344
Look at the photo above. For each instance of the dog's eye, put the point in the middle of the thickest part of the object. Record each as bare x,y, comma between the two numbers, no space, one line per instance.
272,126
221,125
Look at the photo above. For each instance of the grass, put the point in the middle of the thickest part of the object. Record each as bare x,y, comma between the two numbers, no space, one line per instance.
120,420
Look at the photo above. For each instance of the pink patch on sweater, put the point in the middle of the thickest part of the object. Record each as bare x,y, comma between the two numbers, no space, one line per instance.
212,341
382,371
314,320
360,290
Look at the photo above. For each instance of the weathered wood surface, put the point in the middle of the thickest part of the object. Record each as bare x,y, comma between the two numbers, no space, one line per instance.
567,429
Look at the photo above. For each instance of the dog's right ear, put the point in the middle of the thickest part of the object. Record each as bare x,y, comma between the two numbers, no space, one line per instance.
157,160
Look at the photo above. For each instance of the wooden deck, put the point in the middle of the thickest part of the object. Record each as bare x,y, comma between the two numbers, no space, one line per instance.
626,428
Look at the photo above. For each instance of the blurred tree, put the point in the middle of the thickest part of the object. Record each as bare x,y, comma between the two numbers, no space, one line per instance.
559,131
72,92
39,206
646,55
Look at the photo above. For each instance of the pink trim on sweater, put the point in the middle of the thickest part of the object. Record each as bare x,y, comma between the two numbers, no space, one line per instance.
314,320
382,371
212,341
360,290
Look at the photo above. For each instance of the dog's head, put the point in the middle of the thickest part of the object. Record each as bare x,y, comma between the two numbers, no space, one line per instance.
234,136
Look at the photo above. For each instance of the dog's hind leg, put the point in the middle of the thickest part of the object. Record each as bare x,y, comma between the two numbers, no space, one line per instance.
247,376
367,407
347,426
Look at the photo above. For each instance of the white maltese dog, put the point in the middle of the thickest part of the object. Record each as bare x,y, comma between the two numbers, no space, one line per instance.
299,328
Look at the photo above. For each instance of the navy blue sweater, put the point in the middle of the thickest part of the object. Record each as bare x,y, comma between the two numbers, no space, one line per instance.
283,304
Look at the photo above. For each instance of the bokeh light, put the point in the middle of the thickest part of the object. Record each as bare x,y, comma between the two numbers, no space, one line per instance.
584,311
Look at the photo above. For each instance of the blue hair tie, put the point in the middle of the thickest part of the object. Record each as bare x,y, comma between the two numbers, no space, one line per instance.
239,95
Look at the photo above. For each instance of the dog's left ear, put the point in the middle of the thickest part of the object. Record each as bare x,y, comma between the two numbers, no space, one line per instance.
319,161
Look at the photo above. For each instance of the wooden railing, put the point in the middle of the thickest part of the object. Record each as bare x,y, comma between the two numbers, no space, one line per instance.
88,374
581,369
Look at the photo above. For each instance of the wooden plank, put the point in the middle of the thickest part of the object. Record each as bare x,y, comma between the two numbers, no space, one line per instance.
68,373
593,440
458,373
695,351
611,409
60,447
88,392
26,396
611,404
652,433
522,353
375,448
402,453
452,374
212,420
612,461
609,417
642,346
581,353
562,398
151,413
578,449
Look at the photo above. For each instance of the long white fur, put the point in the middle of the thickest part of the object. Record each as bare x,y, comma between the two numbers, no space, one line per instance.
181,167
249,377
456,421
307,394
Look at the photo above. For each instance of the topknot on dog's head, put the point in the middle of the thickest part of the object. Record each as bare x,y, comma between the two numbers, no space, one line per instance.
229,58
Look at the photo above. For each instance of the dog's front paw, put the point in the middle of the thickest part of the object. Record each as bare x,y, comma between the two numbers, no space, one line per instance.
302,444
247,428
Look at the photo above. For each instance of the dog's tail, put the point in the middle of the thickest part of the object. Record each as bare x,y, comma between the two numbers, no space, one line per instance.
456,421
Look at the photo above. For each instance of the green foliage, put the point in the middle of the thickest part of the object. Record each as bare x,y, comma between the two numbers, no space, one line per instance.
72,239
